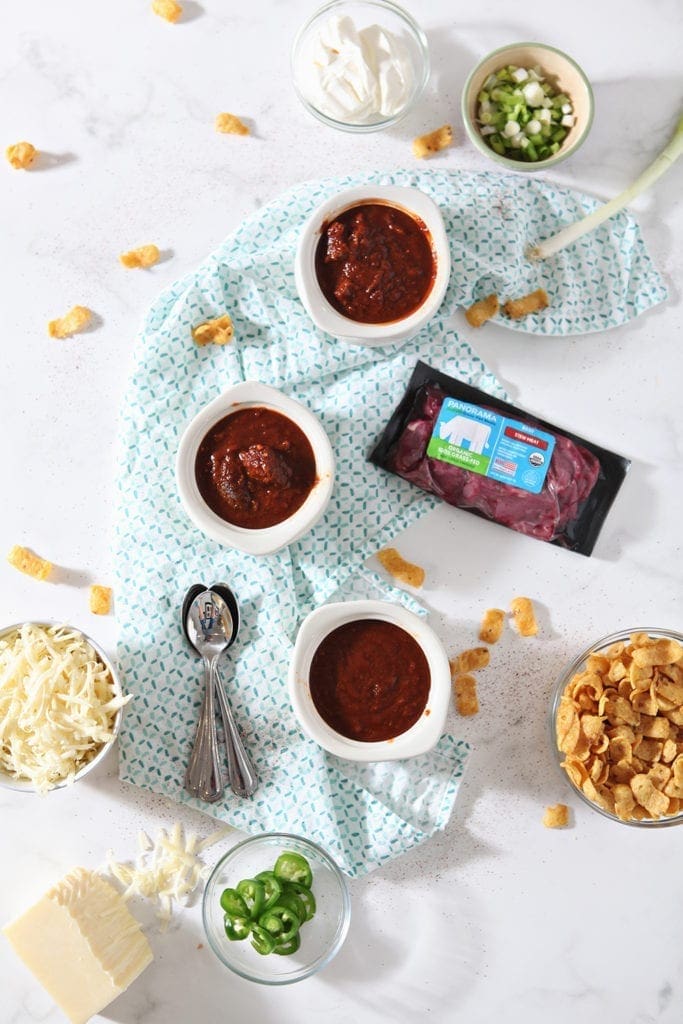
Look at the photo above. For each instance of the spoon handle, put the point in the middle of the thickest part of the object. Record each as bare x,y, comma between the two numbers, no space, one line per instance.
203,775
243,778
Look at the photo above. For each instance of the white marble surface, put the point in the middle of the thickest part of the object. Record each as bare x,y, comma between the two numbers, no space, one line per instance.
496,918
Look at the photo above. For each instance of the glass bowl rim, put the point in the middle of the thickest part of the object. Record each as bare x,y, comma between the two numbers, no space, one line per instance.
421,78
569,670
342,929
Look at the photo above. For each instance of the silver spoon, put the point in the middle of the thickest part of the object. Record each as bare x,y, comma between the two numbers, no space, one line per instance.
209,635
241,773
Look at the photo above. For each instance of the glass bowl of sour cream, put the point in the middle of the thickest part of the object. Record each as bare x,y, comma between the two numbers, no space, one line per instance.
360,65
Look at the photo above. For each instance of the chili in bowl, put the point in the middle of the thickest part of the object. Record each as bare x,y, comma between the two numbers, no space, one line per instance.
373,264
369,681
255,469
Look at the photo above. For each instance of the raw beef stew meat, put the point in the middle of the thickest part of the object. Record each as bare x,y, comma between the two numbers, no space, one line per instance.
572,474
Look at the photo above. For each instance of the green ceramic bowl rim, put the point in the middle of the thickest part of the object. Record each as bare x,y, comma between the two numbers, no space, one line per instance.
521,165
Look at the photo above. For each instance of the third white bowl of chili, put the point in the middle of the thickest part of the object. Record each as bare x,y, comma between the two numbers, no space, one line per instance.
369,681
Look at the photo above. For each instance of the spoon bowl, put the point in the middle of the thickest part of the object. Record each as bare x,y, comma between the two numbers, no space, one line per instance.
224,591
209,624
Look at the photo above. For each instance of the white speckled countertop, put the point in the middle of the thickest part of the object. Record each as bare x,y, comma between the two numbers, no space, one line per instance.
496,919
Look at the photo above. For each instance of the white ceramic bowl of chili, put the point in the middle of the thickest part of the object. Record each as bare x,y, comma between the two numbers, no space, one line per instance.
266,540
421,736
411,201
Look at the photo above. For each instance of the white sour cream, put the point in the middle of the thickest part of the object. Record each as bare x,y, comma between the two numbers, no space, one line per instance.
355,76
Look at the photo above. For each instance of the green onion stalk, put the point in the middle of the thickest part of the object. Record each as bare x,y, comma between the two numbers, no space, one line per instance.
566,236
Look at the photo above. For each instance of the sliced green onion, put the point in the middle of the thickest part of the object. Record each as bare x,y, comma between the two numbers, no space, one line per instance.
515,97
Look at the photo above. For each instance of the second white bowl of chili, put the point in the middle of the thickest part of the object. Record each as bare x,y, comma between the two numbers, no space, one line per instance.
255,469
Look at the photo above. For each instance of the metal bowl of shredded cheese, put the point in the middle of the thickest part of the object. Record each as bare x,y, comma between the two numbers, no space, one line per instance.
60,706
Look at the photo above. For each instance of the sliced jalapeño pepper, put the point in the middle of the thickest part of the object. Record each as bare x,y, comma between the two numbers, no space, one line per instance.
292,867
291,900
286,948
262,941
271,908
280,922
305,897
253,894
271,886
237,928
233,904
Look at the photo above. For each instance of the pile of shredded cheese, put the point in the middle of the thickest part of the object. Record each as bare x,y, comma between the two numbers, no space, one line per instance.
167,870
57,704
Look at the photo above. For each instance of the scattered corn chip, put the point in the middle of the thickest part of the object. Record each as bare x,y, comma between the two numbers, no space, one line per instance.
620,725
556,816
230,124
77,319
482,311
169,10
26,561
471,660
523,616
403,571
433,142
465,687
219,331
100,599
492,625
21,155
145,256
533,303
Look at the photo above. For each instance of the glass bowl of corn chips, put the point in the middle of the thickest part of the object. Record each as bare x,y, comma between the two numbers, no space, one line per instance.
617,726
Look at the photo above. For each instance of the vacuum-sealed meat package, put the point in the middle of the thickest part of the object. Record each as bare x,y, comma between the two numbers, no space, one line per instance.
479,453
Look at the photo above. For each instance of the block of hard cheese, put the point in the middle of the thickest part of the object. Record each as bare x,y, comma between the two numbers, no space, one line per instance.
82,943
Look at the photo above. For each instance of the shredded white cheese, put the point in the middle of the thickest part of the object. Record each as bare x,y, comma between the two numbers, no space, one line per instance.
167,870
57,704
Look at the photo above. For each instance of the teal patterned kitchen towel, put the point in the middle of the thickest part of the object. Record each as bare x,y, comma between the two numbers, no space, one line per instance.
363,814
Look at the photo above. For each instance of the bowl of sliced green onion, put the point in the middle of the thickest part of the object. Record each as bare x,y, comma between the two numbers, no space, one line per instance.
276,908
527,106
